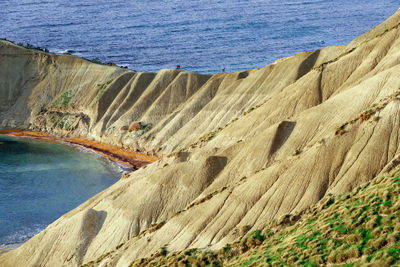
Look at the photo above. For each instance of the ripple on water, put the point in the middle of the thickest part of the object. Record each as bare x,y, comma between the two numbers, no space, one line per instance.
201,36
40,181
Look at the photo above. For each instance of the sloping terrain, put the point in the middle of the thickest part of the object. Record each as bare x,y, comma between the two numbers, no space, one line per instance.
238,149
359,228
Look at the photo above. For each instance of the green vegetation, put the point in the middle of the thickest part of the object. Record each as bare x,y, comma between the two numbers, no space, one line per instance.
101,92
355,229
142,129
96,61
66,125
61,123
103,89
63,99
209,136
29,46
60,120
250,110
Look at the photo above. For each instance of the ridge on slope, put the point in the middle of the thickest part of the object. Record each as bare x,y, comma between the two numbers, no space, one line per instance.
359,228
65,95
276,159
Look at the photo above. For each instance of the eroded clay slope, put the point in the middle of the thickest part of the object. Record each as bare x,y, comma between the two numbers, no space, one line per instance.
66,95
247,148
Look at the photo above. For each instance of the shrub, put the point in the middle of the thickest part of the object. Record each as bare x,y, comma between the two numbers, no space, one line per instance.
101,92
257,235
64,99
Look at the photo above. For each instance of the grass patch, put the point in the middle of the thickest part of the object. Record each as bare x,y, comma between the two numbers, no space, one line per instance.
63,99
351,232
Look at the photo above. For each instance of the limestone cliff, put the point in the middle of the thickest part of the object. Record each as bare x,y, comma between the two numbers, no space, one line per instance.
238,149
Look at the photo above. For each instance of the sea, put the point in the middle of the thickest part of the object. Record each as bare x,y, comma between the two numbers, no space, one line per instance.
202,36
40,181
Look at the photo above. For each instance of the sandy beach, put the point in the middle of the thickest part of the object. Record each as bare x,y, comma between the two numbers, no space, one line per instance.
125,157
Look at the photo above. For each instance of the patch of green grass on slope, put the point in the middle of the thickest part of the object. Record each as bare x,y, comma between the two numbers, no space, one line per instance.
354,229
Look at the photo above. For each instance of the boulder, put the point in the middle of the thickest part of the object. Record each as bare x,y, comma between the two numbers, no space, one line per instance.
135,126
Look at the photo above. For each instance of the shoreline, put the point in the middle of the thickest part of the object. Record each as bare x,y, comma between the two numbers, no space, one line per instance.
118,156
128,158
7,248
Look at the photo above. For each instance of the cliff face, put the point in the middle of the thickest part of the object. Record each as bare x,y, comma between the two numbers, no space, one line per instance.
239,149
66,95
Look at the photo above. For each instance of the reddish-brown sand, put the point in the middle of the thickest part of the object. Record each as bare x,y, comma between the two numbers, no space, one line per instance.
114,153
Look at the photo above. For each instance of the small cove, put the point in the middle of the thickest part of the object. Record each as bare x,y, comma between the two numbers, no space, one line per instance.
40,181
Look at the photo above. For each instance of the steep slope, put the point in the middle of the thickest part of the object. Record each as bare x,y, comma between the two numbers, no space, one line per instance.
66,95
360,228
244,148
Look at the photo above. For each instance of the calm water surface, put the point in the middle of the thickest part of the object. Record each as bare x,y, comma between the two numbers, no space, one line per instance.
40,181
202,35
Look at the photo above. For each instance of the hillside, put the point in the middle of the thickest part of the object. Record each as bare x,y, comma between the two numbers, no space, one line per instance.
358,228
237,150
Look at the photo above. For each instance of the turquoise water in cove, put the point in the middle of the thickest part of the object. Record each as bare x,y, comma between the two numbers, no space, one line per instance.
202,36
40,181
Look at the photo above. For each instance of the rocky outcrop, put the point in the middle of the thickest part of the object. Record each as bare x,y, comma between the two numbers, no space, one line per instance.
239,149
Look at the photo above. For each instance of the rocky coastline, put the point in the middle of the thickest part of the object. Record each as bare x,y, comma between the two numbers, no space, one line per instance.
230,153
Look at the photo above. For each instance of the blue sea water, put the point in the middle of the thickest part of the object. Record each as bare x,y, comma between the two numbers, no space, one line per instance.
202,36
40,181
